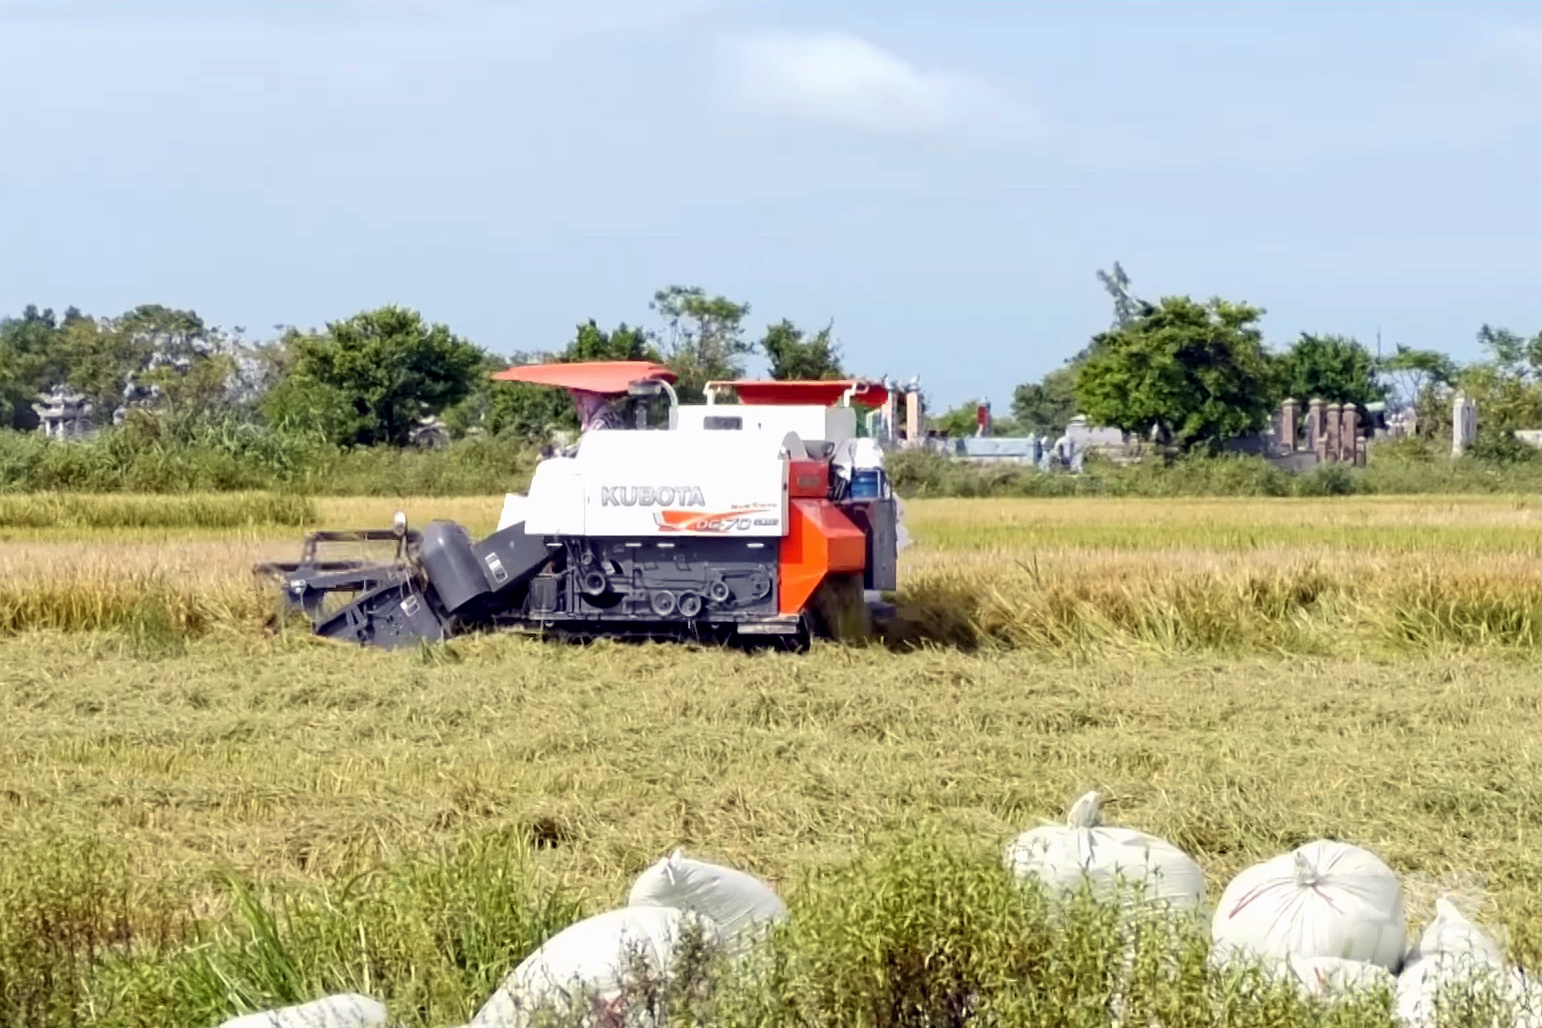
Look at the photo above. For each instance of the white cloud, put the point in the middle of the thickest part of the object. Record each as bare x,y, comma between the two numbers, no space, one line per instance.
845,80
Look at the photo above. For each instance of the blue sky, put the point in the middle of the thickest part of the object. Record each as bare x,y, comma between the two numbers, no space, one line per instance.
942,180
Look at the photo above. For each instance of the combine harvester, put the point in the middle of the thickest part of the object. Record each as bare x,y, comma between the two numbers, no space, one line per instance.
765,521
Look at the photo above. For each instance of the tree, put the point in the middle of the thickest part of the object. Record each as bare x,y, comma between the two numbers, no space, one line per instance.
1333,369
31,361
1512,355
705,337
964,420
793,356
1415,373
1127,307
104,362
533,411
1199,372
371,378
1045,407
623,343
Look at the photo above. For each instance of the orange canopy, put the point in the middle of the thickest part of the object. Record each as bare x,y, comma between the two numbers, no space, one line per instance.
607,377
797,392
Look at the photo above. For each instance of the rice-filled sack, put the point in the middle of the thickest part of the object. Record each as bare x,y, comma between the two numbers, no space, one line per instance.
1323,899
1063,857
741,905
1334,977
1452,953
588,966
344,1010
1525,999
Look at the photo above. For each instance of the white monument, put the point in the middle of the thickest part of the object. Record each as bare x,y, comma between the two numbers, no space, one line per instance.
1464,423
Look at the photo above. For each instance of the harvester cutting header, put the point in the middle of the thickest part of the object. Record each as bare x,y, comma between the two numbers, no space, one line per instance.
763,520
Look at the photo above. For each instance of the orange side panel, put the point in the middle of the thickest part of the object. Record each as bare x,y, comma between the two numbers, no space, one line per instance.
820,541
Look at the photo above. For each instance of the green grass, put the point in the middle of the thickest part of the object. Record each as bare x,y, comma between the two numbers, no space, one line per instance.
142,458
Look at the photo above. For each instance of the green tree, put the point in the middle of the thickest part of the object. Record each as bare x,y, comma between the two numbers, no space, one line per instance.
1127,306
533,411
1506,387
622,343
959,421
370,379
1199,372
1046,406
183,369
32,360
1512,355
794,356
104,363
1416,374
705,337
1331,368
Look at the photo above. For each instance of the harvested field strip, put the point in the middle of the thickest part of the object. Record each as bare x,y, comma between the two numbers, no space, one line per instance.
411,822
521,771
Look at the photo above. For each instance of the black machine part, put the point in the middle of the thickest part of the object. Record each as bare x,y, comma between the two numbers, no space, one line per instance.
389,608
879,521
443,582
464,574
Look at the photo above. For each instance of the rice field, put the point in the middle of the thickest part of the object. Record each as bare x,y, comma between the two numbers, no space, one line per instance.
1238,676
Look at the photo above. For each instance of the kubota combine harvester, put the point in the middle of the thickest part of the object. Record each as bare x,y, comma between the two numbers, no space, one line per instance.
768,520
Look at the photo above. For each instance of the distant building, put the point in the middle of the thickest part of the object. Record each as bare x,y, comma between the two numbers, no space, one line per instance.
65,414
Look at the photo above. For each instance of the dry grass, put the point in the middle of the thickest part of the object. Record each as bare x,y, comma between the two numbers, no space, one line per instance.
1082,577
1240,677
76,511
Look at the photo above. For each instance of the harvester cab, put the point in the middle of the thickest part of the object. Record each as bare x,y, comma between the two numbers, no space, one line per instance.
768,520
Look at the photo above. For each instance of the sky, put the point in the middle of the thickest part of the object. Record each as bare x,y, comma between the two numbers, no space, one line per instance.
939,181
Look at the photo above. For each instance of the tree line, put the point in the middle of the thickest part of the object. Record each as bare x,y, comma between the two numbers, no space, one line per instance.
1197,375
1192,374
369,379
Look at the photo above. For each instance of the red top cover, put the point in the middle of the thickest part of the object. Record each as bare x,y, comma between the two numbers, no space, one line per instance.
825,393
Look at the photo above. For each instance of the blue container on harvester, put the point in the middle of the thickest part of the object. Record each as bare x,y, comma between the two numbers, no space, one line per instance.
865,484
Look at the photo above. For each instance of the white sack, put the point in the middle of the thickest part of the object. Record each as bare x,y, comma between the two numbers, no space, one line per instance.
345,1010
737,902
1083,849
1333,977
589,961
1451,951
1526,997
1324,899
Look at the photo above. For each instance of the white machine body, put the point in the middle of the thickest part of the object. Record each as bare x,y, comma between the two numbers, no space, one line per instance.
810,421
662,484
